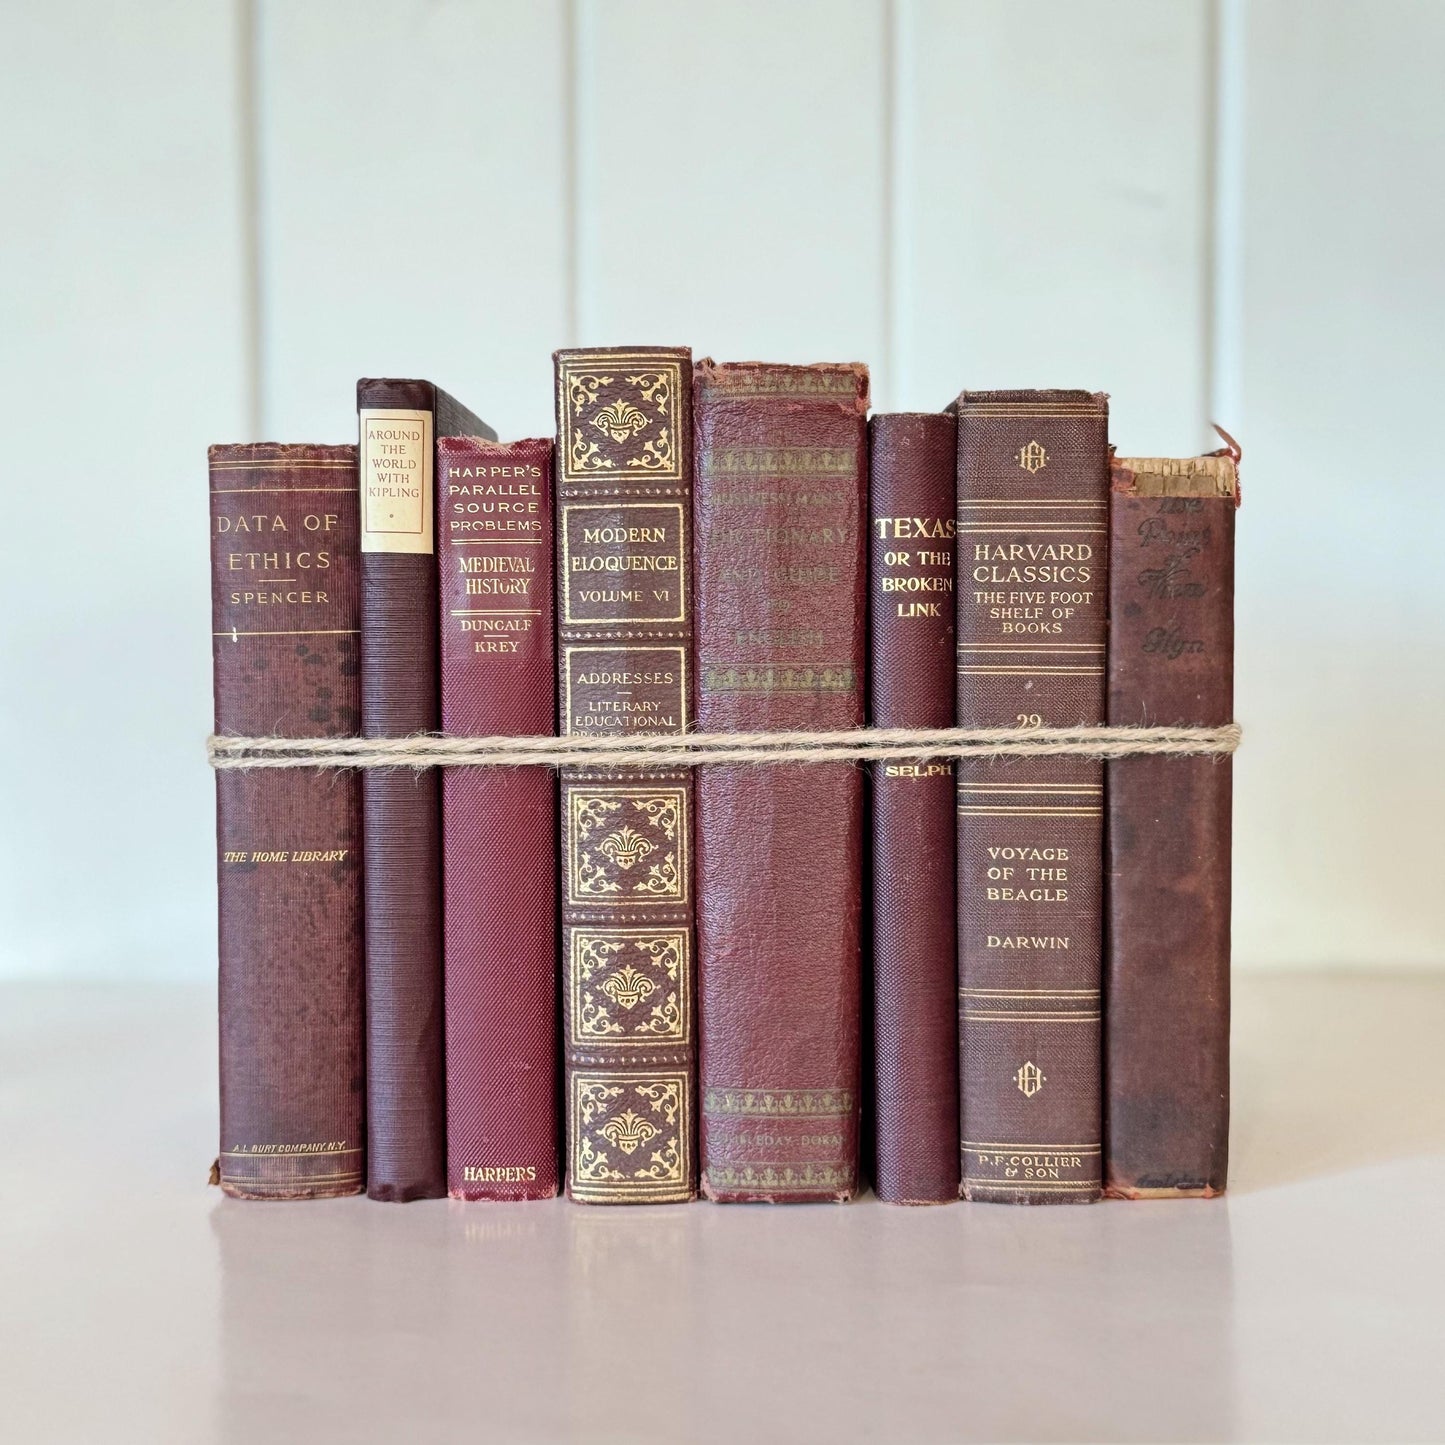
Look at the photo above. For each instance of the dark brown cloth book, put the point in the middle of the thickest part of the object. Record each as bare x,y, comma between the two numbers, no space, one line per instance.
499,825
1033,485
285,601
625,620
406,1096
782,475
911,660
1171,661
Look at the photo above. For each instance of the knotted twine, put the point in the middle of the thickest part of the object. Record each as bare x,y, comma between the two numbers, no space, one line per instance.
849,745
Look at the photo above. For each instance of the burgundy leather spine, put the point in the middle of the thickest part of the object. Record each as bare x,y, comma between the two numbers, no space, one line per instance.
912,465
1171,661
1033,481
285,615
782,475
406,1103
625,624
499,825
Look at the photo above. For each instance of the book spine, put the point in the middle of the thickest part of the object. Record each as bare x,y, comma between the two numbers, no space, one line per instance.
406,1115
1033,481
625,630
912,464
285,606
499,825
1171,661
782,474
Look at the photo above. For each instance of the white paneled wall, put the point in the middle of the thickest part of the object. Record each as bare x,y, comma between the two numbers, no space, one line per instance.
123,350
217,214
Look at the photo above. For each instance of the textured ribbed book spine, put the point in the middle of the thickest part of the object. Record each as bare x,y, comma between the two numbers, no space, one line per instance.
406,1109
499,825
285,605
1033,483
781,509
625,629
1171,661
912,466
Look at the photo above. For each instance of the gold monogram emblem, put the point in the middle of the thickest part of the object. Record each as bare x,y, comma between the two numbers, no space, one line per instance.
628,1130
1030,1079
1033,458
625,847
620,421
627,987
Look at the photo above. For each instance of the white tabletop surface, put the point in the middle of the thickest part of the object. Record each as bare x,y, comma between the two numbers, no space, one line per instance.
137,1305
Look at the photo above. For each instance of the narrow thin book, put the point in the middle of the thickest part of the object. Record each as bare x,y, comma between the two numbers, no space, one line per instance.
499,825
400,422
285,610
1033,496
1171,662
912,464
625,630
782,605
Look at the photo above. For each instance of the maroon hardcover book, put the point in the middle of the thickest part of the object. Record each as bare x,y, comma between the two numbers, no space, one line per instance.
624,605
912,464
1033,483
1171,661
406,1105
285,616
782,473
499,825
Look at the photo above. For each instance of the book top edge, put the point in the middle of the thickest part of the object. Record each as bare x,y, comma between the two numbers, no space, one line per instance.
1208,476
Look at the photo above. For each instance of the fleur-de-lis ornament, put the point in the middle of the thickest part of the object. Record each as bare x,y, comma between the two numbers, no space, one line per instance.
625,847
620,420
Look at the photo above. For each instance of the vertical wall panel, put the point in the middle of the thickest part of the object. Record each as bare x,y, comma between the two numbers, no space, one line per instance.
122,312
1341,367
730,165
1054,205
413,217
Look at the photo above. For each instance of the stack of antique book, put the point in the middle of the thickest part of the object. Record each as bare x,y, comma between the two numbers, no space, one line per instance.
769,975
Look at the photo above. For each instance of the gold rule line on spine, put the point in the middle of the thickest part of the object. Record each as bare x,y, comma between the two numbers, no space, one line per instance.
1032,1018
1035,1148
1050,786
1023,790
967,812
1029,993
234,632
256,491
353,1175
1035,1186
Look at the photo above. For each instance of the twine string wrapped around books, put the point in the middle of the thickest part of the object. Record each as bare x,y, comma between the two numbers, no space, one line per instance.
851,745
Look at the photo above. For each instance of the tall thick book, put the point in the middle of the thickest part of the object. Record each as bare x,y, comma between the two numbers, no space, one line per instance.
912,465
1171,661
285,609
499,825
781,509
625,629
1033,492
406,1095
